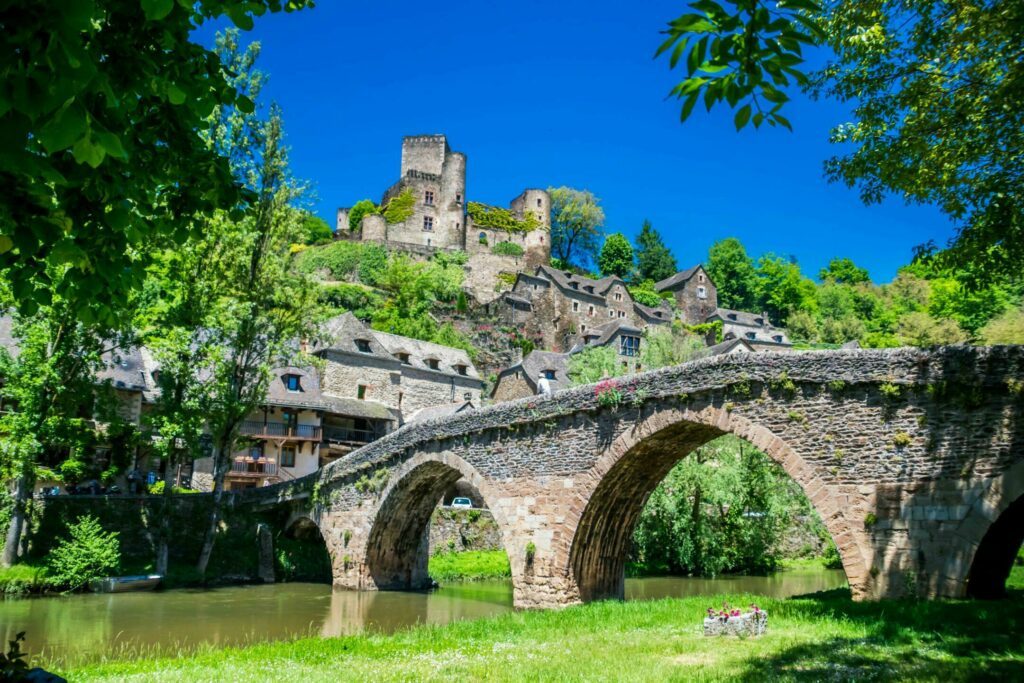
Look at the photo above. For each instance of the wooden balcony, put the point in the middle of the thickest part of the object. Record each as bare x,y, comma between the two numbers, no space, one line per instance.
347,435
253,468
280,430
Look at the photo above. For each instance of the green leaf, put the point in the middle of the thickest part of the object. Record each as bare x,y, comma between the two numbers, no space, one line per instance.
742,116
64,129
783,121
110,144
240,18
6,244
691,101
677,53
156,10
245,105
87,152
175,95
66,251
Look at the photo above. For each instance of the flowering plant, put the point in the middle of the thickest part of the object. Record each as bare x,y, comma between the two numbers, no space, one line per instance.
727,612
607,393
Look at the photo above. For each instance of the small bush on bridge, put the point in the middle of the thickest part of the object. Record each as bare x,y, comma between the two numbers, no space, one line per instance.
608,394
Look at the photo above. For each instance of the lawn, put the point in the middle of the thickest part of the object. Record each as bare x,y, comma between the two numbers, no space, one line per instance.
824,636
471,565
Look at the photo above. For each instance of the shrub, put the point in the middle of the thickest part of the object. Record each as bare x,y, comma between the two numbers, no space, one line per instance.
783,384
507,249
608,394
901,440
890,391
88,553
364,207
646,297
496,218
870,520
399,209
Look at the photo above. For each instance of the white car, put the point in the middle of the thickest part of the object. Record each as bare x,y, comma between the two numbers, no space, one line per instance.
462,503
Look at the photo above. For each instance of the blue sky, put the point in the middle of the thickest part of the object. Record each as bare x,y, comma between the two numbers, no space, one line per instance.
565,93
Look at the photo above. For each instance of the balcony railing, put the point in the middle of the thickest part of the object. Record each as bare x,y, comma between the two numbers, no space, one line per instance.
254,468
280,430
348,434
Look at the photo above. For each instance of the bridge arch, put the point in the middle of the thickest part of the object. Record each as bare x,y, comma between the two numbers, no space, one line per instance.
396,553
995,529
640,458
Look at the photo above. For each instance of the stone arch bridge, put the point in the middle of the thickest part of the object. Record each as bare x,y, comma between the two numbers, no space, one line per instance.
914,460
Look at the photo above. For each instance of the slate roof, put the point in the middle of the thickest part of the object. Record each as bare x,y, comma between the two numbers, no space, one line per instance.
727,346
126,369
600,336
680,277
536,362
420,351
354,407
440,411
740,317
309,395
565,279
341,332
652,314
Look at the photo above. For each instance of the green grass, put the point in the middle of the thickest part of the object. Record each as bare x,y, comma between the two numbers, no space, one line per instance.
471,565
820,637
23,579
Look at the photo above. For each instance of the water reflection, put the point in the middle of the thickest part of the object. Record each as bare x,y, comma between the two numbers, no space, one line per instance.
83,627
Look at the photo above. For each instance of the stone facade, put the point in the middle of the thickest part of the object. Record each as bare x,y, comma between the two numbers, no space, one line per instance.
695,294
908,456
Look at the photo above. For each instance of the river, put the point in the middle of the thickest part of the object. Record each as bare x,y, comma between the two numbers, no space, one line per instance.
86,627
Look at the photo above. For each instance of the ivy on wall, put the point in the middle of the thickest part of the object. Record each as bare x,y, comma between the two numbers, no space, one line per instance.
399,209
496,218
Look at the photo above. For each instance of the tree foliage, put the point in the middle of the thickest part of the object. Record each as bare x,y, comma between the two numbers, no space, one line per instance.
913,72
845,271
497,218
654,260
616,257
400,207
103,109
364,207
733,273
315,230
723,508
576,222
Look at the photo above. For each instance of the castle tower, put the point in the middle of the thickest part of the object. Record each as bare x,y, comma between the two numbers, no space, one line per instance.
537,243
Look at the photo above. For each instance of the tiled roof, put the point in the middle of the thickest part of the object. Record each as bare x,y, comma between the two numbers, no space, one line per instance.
420,351
681,276
354,407
565,280
727,346
660,314
125,369
341,332
602,335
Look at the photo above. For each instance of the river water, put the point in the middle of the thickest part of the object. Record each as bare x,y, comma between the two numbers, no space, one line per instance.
86,627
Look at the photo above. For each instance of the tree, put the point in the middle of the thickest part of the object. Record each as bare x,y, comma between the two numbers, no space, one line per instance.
315,229
782,288
51,381
913,72
616,257
576,221
364,207
1006,329
662,347
103,153
593,364
654,261
733,273
920,329
843,270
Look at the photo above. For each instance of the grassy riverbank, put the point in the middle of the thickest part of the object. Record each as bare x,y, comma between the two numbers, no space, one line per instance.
819,637
471,565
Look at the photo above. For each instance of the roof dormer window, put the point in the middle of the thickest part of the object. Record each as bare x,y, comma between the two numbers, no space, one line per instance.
549,374
777,338
589,288
292,382
731,316
575,285
363,345
433,363
403,357
751,335
462,369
